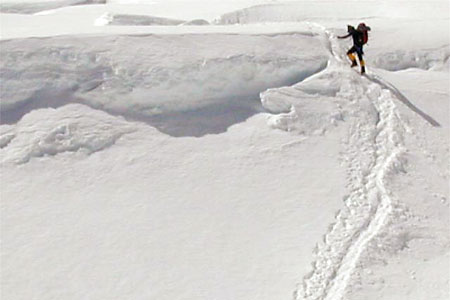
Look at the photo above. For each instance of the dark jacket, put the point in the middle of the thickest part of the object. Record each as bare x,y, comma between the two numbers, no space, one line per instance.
358,36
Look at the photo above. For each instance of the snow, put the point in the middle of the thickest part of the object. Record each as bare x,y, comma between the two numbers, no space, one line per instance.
157,83
83,133
36,7
237,158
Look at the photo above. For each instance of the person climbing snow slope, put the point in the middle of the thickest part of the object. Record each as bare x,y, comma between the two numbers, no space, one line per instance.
360,37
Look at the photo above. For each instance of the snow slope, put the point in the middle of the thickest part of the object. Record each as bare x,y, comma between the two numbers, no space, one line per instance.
220,161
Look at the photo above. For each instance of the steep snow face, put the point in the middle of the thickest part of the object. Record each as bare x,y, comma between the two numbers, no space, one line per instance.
160,77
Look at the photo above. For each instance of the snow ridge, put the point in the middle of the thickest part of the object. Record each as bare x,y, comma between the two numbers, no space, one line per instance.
375,148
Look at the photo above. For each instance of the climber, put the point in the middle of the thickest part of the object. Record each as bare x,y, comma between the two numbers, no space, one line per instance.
360,37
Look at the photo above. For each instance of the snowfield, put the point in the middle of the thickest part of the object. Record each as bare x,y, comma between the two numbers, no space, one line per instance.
239,157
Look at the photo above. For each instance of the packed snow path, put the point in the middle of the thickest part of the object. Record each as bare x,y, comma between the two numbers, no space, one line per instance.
374,151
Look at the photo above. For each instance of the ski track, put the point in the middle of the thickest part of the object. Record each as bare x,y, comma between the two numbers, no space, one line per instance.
374,150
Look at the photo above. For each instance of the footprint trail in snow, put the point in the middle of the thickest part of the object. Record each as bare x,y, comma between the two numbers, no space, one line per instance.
373,151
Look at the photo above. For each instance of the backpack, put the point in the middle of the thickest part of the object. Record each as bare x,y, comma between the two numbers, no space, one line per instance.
365,37
365,31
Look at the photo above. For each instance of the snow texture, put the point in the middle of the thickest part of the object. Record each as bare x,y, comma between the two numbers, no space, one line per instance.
239,157
51,135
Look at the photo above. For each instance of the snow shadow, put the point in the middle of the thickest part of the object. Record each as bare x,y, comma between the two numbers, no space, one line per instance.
400,96
213,118
210,119
39,100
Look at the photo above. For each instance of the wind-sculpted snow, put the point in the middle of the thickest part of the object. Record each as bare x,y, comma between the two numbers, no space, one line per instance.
34,7
50,132
155,79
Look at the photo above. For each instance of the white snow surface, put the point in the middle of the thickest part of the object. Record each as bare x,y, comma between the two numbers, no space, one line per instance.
235,158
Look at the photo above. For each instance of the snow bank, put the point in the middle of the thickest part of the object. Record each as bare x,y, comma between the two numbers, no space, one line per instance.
35,7
50,132
145,76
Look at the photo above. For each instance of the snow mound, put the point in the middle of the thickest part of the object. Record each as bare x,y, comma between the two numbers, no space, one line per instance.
35,7
307,108
158,76
72,128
